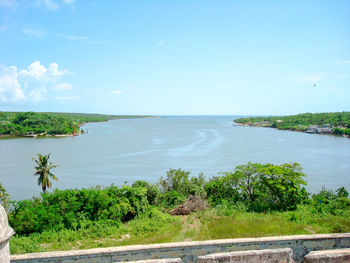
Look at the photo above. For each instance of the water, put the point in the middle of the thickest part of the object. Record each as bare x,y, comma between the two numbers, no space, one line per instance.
128,150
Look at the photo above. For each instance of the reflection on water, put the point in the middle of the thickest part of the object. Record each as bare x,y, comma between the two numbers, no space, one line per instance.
129,150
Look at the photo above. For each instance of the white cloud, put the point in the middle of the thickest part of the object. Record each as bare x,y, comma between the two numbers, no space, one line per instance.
71,37
32,32
66,98
54,71
68,2
37,94
160,43
8,4
10,89
116,92
29,84
34,70
343,62
41,73
48,4
63,86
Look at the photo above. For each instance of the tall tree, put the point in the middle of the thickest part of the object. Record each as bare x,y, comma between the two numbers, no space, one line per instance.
43,170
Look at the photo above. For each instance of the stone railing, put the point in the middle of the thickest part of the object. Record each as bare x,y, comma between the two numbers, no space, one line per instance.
301,245
279,255
328,256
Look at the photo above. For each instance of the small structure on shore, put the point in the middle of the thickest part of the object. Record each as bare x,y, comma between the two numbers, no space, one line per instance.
327,128
6,233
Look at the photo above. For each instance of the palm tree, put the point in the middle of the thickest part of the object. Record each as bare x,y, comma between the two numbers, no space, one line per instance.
43,171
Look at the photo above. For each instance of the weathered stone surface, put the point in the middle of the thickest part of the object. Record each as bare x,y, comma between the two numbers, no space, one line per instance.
189,251
281,255
5,233
167,260
329,256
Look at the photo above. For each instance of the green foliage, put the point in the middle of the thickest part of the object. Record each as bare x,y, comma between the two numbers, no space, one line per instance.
72,209
4,197
102,233
253,200
170,199
329,202
153,193
260,187
339,120
180,181
24,123
149,222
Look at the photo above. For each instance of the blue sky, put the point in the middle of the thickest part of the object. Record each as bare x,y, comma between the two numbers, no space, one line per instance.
175,57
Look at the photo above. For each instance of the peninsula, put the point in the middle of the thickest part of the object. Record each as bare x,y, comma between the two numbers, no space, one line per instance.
32,124
334,123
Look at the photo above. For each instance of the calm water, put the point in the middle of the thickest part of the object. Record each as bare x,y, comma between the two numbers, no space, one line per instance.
129,150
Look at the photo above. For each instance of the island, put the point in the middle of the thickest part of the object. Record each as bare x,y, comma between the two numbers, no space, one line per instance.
334,123
34,124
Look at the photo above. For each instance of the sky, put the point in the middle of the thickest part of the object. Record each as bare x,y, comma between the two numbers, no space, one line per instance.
175,57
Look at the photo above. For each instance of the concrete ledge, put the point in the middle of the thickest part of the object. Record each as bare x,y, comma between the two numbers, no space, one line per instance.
168,260
282,255
189,251
329,256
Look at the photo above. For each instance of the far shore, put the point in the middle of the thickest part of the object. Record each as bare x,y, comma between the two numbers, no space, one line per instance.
6,136
261,126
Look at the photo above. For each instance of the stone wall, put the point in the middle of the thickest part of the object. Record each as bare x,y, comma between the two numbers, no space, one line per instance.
189,251
279,255
329,256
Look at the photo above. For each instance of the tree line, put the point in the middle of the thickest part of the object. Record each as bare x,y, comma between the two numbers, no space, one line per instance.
24,123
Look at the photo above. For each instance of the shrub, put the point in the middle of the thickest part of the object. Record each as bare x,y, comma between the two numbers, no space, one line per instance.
71,209
180,181
4,197
260,187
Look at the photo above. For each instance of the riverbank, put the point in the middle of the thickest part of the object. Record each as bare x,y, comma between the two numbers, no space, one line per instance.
332,123
33,125
288,129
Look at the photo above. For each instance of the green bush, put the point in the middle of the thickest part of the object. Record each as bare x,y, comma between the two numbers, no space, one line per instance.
171,199
329,202
180,181
260,187
4,197
153,193
71,209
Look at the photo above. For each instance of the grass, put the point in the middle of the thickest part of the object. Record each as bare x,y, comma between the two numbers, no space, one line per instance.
157,227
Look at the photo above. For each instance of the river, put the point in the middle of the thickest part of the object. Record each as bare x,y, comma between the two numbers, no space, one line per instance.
126,150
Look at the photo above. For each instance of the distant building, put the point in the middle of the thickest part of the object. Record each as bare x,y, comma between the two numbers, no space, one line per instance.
312,129
327,128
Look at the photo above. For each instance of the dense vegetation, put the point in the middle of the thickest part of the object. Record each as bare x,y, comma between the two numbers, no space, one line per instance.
261,199
24,123
339,120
